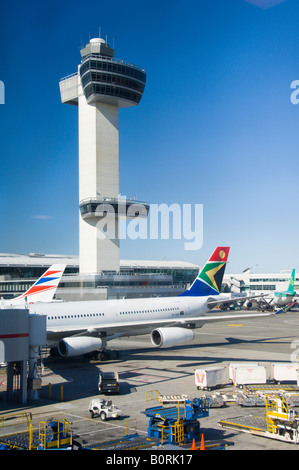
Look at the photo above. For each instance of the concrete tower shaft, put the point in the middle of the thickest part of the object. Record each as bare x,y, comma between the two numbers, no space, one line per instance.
98,150
102,85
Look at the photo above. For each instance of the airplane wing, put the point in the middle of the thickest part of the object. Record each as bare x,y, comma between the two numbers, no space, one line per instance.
143,327
214,303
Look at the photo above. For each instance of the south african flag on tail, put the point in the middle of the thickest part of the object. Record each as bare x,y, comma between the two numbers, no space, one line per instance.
209,280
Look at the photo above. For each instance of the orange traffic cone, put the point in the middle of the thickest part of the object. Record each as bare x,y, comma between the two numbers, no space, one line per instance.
193,445
202,443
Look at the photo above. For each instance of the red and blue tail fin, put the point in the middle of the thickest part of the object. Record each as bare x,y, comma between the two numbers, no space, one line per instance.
44,288
209,280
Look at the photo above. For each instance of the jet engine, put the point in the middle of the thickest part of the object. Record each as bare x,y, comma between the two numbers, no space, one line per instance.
171,336
212,302
76,346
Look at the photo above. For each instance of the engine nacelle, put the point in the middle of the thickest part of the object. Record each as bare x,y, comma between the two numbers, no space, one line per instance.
248,304
171,336
210,302
76,346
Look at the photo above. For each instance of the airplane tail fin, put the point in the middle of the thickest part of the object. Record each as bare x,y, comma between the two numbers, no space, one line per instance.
44,288
285,308
209,280
292,283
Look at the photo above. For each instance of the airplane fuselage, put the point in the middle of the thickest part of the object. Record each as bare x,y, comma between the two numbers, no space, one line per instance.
135,316
282,298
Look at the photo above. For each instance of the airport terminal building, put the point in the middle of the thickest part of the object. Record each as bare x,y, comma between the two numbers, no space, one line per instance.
136,278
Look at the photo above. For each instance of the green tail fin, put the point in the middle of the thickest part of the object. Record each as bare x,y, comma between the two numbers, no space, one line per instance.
292,283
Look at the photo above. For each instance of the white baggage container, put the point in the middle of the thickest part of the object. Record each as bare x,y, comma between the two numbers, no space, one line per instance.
210,377
245,375
283,371
233,365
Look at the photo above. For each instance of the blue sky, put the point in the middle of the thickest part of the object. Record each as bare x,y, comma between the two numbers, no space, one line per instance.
215,126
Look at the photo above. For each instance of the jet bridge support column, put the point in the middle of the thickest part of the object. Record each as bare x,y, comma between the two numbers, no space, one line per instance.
17,371
21,334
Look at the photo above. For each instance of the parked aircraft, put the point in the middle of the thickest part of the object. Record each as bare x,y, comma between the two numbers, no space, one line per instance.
42,290
276,299
82,327
281,299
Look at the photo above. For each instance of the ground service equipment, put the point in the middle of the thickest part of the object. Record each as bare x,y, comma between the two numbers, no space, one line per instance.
53,434
210,377
280,422
104,409
108,382
243,375
283,372
176,423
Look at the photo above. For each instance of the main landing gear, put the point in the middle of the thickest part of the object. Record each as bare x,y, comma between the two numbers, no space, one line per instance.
105,355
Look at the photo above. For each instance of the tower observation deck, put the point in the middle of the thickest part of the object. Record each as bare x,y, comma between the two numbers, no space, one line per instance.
101,86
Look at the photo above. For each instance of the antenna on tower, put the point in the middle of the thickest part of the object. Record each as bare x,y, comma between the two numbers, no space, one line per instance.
100,32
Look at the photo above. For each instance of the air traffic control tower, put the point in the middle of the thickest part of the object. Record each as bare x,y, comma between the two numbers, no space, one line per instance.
101,86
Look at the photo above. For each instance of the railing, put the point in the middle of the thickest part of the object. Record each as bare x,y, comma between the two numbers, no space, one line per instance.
106,199
113,59
69,76
16,418
63,436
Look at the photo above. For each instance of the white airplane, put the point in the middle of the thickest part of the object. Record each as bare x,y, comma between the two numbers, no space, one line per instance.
42,290
82,327
278,299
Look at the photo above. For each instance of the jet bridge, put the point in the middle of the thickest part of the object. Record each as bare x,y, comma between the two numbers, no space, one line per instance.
21,337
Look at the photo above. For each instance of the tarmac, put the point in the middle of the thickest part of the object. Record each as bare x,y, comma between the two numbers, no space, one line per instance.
143,368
